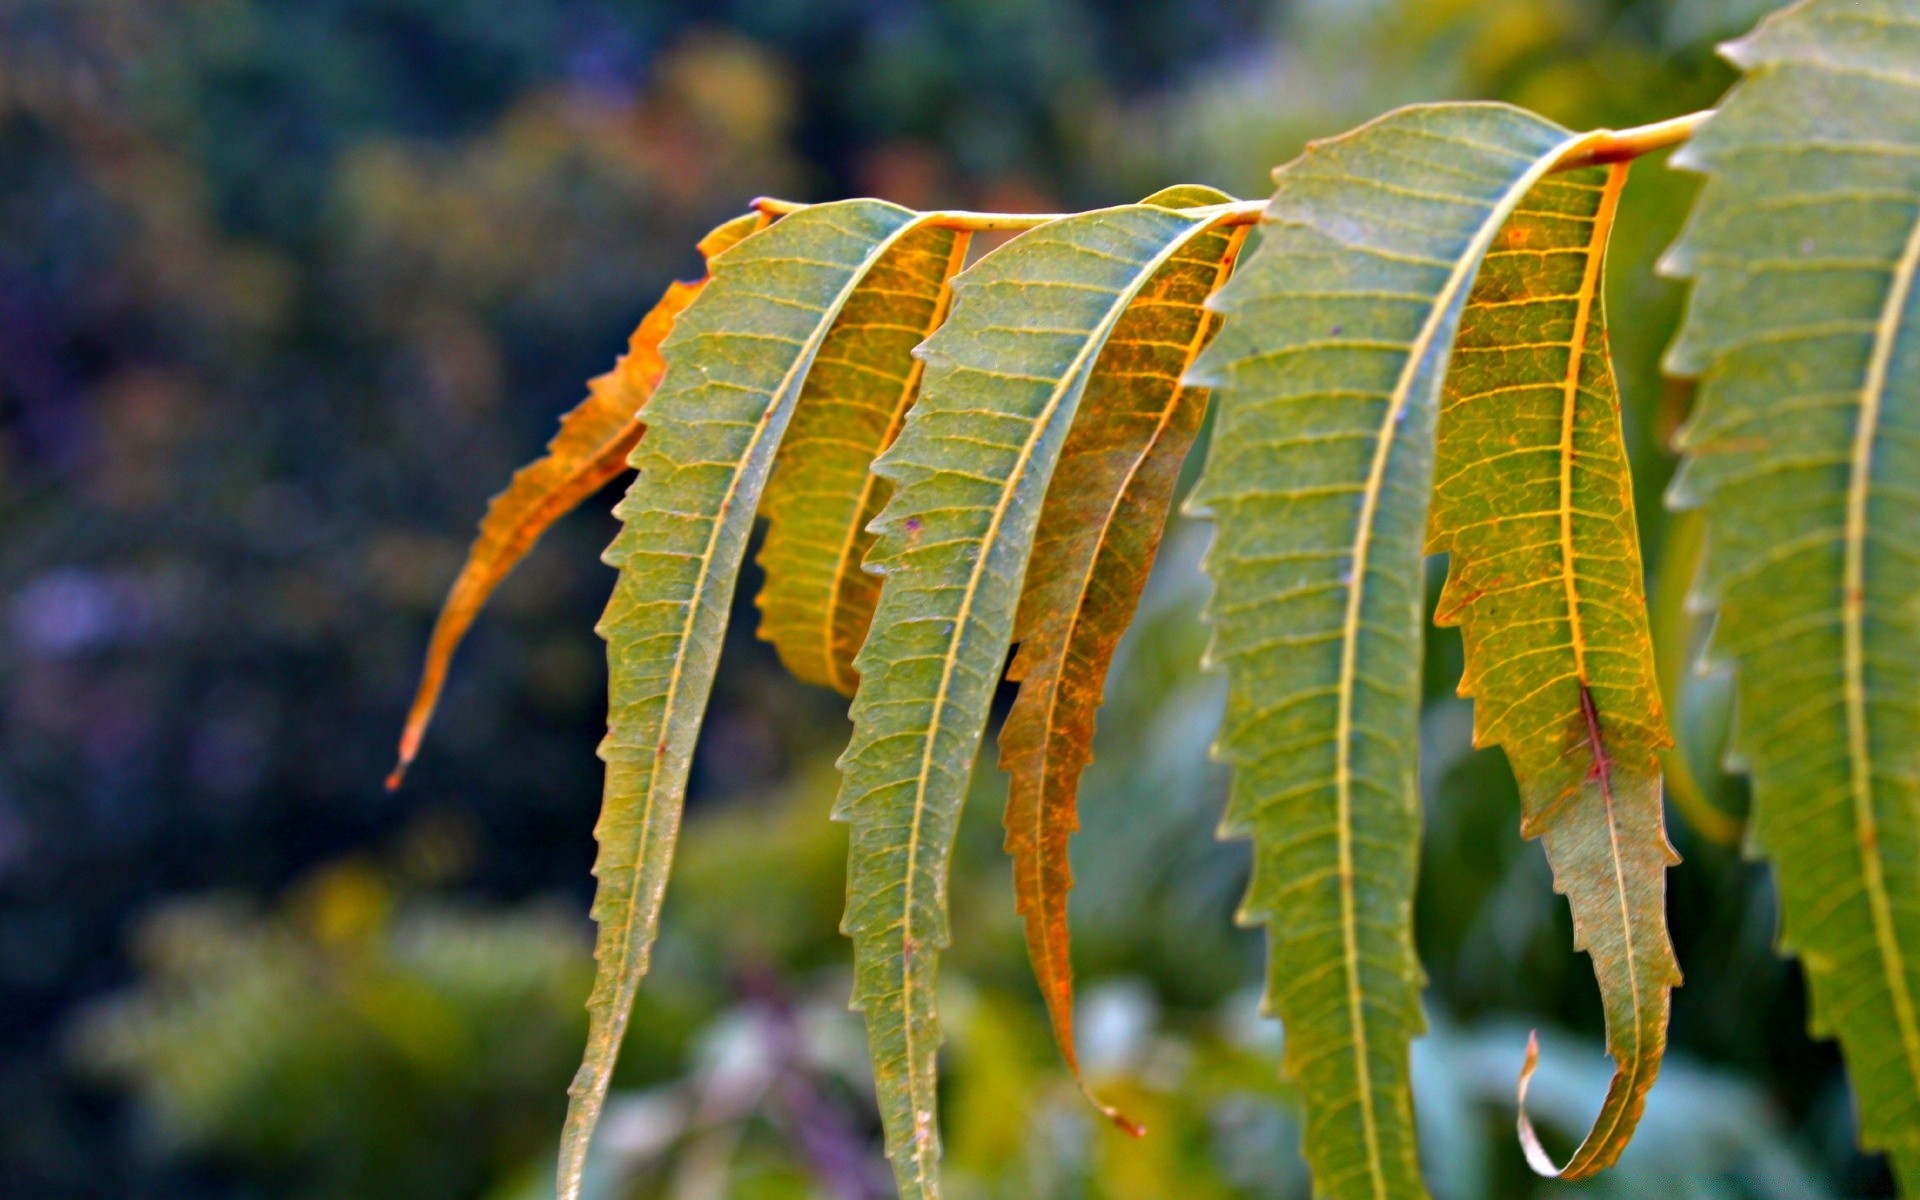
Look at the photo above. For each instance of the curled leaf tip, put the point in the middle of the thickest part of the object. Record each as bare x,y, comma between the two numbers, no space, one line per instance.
1537,1156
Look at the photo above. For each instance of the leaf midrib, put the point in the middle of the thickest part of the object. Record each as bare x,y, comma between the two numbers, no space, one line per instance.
1853,616
1590,284
1076,368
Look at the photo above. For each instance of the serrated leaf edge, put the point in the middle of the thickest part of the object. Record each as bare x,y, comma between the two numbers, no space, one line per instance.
925,1145
587,1093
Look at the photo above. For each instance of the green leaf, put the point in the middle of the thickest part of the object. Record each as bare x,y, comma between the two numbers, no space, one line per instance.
817,603
1533,501
1804,328
736,361
588,453
1327,373
970,471
1099,530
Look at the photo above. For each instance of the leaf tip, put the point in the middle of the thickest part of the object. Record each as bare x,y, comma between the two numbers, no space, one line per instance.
1121,1121
1537,1157
410,739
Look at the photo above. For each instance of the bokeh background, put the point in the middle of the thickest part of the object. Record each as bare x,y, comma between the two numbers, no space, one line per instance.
287,288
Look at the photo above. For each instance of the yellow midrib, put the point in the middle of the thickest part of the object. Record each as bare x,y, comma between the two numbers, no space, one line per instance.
702,578
837,675
1079,363
1853,615
1463,269
1590,285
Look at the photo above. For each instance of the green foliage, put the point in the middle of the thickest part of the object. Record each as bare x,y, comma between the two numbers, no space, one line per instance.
1329,368
1427,287
713,426
1803,250
354,1043
1004,377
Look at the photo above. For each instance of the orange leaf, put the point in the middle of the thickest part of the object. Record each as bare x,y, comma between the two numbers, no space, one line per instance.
1099,529
588,452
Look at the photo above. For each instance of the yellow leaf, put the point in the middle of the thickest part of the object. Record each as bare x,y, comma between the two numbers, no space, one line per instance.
817,602
1533,501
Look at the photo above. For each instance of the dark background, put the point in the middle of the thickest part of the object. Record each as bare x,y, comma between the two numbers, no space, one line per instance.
287,289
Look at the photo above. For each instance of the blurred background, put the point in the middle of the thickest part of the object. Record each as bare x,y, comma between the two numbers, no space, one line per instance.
288,287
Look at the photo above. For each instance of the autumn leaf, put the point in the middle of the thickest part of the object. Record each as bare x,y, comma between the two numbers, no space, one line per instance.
817,602
589,452
1533,502
1098,533
736,361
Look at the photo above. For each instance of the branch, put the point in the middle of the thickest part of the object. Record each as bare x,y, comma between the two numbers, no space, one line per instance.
1595,149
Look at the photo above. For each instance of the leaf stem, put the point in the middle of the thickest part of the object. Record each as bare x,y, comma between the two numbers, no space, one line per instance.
1607,146
1597,148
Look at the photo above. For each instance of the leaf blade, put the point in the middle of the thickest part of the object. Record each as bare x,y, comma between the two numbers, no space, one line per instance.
970,470
735,364
589,451
1534,503
816,603
1099,530
1803,249
1327,371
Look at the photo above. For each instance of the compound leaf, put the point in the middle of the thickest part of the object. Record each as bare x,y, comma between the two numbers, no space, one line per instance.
1533,502
1327,372
1804,328
970,472
736,363
816,603
588,453
1099,530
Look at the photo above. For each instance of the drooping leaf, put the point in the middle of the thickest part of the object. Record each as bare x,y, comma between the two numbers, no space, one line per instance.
1533,502
1327,374
736,362
970,471
1099,530
588,453
1804,328
816,603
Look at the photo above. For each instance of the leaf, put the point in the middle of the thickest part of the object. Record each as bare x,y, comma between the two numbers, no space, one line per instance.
1533,501
736,361
587,454
816,603
970,470
1803,324
1099,530
1327,373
